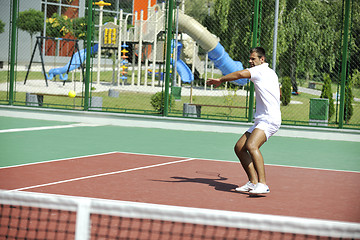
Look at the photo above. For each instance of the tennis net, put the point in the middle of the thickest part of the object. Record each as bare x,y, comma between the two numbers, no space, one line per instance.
26,215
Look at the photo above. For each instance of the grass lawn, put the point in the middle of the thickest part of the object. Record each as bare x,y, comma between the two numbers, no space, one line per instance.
139,102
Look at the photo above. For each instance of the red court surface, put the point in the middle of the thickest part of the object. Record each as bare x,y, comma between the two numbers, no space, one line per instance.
299,192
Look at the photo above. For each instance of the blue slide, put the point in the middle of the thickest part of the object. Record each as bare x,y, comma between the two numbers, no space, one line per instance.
78,58
182,69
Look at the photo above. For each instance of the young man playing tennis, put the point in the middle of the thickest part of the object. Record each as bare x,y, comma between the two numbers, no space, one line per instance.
267,119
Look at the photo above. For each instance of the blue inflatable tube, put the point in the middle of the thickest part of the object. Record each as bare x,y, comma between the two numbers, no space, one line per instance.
224,62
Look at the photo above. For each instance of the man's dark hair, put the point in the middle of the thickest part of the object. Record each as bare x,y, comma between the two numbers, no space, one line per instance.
259,50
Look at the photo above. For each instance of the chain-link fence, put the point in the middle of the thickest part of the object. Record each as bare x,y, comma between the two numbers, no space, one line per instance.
46,56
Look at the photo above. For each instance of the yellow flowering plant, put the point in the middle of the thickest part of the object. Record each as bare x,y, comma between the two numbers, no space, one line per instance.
57,26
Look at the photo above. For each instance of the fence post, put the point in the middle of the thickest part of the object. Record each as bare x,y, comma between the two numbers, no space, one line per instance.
276,23
254,44
13,50
344,63
168,55
88,55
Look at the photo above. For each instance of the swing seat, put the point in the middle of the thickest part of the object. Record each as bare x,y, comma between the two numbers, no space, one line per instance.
57,71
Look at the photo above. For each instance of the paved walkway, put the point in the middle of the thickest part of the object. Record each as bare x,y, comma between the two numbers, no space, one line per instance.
318,92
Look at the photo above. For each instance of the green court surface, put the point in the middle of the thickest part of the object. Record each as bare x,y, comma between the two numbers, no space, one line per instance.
22,141
10,123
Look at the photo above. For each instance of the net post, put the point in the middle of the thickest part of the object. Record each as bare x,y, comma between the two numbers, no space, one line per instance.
82,230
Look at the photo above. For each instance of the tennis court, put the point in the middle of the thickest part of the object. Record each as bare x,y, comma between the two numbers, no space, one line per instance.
312,173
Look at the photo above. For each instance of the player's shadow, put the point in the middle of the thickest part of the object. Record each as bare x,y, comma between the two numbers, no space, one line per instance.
212,182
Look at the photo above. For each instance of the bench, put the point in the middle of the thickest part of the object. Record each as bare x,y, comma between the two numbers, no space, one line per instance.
194,109
40,98
222,106
54,95
312,84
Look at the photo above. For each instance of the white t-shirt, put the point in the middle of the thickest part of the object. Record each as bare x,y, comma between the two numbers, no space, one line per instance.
267,93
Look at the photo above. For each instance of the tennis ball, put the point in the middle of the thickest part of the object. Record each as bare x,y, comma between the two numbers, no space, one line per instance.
72,94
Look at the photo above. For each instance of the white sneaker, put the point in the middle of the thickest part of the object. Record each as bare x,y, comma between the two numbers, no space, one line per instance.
260,188
246,188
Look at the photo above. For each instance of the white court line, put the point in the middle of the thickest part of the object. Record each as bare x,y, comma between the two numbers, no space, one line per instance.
57,160
279,165
92,155
238,162
171,156
48,127
102,174
311,168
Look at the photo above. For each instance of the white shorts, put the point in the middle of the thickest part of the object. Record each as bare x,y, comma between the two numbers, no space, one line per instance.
269,128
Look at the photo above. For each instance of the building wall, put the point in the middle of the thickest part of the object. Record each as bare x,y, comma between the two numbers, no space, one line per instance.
24,46
142,5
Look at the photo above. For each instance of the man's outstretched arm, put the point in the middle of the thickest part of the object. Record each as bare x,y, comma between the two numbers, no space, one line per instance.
229,77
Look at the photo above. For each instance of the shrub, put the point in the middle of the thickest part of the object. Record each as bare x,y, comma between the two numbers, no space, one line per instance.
77,27
2,26
157,101
327,93
286,91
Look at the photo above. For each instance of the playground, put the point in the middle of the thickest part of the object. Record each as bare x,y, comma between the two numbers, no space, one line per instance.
143,69
131,56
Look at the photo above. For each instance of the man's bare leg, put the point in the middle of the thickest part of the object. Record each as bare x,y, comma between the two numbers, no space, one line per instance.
256,139
245,158
247,150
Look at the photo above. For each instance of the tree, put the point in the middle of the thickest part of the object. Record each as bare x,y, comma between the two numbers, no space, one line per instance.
198,9
232,24
327,93
355,41
307,37
31,21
